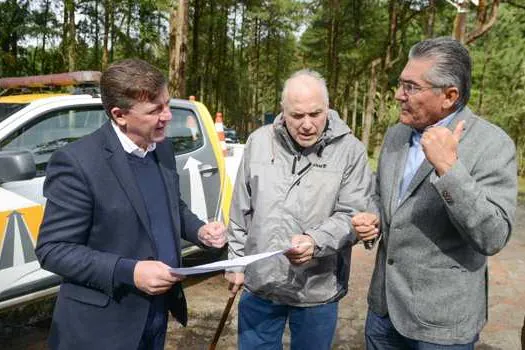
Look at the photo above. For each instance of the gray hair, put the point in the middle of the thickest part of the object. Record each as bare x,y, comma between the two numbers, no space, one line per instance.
452,65
310,74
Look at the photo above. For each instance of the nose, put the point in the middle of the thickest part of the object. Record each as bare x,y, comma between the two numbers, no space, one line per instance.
166,113
400,94
307,123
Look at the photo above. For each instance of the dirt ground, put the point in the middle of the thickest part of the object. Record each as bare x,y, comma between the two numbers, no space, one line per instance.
208,295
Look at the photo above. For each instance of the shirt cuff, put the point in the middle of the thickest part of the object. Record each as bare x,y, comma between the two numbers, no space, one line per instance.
124,270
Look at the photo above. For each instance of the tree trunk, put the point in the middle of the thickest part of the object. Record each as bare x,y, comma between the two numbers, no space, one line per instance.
363,112
460,23
107,28
369,115
354,112
195,84
71,35
429,30
44,37
178,49
257,69
484,23
97,34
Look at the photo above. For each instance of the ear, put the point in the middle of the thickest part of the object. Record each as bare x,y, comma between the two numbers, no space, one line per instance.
451,96
117,114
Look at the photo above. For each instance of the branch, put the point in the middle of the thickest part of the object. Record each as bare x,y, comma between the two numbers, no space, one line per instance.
481,30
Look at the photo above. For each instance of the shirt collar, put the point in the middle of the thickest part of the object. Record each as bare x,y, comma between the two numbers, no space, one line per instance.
442,122
130,146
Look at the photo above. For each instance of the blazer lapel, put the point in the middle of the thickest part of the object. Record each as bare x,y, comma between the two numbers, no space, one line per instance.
399,167
118,162
422,172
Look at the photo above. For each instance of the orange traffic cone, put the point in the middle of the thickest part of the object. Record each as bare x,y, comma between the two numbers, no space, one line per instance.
219,127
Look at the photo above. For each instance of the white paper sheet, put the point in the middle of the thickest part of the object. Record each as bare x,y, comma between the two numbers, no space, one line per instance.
224,264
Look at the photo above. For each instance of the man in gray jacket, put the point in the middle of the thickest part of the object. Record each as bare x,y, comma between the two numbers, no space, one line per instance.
447,188
299,183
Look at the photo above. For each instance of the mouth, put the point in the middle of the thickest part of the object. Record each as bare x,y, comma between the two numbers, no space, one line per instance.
306,136
405,110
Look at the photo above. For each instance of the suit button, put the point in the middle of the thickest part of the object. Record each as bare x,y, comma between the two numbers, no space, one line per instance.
448,198
390,261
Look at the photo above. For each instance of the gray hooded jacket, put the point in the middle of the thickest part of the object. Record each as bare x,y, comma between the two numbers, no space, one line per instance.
280,192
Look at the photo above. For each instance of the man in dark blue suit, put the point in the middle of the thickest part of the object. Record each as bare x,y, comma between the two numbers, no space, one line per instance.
114,219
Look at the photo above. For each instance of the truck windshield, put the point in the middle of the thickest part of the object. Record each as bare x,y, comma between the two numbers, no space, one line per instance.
6,109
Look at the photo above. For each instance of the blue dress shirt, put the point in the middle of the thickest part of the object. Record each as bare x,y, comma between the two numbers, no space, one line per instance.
416,155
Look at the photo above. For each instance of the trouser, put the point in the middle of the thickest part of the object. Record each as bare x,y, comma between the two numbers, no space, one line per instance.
154,334
380,334
262,323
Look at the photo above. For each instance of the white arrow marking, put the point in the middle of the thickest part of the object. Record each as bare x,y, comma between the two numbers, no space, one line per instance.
198,201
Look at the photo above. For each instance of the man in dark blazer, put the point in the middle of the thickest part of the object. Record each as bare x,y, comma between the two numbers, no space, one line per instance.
447,191
114,219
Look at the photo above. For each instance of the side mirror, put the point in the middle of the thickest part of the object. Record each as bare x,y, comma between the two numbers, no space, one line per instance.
16,166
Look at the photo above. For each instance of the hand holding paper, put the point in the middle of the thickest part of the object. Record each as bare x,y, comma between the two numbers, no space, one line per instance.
302,250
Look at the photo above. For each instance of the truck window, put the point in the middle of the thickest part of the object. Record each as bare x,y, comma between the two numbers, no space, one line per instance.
53,130
6,109
184,131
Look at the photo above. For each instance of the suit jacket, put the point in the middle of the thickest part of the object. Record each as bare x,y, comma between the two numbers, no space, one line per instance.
94,215
431,267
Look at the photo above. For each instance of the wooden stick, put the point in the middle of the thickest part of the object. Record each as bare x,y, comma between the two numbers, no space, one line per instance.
224,316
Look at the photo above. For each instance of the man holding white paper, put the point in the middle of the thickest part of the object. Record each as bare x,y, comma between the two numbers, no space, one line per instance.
299,183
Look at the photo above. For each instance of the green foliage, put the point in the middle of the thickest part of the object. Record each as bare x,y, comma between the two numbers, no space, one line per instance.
240,53
499,77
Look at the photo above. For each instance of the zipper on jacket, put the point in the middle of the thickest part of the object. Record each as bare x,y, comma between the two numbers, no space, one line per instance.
294,164
305,168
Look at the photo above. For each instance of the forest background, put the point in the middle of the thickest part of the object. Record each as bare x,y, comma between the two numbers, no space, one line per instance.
235,55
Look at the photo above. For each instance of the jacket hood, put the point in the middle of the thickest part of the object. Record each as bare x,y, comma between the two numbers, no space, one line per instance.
334,129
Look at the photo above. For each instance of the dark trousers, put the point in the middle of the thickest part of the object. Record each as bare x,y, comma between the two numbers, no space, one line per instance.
154,334
380,334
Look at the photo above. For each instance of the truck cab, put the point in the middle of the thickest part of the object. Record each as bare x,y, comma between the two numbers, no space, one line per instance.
34,125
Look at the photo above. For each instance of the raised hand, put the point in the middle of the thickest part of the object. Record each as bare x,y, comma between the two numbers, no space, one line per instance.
440,146
213,234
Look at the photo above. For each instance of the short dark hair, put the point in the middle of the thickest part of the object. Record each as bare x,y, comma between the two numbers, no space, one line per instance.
129,81
452,65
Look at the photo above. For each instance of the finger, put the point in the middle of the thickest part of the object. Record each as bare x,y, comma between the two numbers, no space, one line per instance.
364,228
160,290
218,243
367,235
365,219
234,287
458,130
164,282
370,237
359,219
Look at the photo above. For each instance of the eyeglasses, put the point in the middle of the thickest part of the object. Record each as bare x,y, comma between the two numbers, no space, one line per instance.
410,88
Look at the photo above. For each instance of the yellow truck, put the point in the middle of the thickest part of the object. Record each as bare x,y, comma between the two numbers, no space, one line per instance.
35,124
